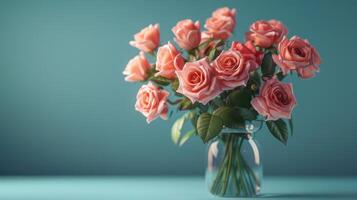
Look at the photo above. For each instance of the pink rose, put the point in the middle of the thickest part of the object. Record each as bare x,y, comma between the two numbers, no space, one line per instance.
225,12
276,100
137,69
222,23
232,69
148,39
297,55
266,33
248,50
151,102
187,33
220,27
168,60
197,81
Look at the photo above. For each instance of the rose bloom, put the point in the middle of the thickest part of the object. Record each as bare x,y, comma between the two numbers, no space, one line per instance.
148,39
225,12
151,102
248,50
137,69
168,60
187,34
266,33
220,27
297,55
197,81
276,100
232,69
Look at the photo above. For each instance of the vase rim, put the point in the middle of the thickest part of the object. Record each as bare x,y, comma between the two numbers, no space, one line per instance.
234,130
250,127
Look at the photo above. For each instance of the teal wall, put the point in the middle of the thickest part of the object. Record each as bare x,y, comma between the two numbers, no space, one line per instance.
65,108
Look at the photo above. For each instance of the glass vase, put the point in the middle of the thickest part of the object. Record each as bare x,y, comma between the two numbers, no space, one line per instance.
234,167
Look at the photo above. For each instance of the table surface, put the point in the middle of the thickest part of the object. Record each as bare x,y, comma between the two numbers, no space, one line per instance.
166,188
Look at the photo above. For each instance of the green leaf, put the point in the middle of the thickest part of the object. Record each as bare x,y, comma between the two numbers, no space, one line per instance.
205,44
191,57
186,104
279,130
254,82
161,80
220,42
217,43
272,50
226,114
230,117
217,102
268,65
255,77
177,126
175,84
291,126
213,54
203,108
208,126
239,122
194,119
280,76
187,136
239,98
247,114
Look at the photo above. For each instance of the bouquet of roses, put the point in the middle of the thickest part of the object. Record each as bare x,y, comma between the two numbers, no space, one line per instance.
218,83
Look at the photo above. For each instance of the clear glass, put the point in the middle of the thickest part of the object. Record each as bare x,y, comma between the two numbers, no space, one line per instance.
234,167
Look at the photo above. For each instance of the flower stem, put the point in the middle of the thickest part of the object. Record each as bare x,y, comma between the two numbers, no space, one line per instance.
234,170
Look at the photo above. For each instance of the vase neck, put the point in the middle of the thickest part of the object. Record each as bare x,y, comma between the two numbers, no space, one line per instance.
249,128
237,132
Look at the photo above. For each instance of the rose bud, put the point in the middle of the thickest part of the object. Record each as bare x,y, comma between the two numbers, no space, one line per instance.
220,27
187,34
168,60
225,12
148,39
137,69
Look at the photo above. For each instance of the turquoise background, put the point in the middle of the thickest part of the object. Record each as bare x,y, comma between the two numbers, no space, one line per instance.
65,108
